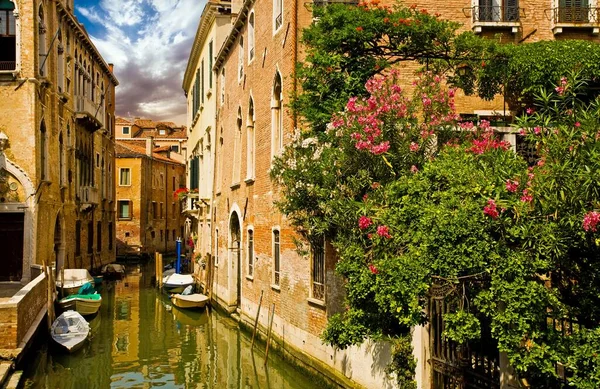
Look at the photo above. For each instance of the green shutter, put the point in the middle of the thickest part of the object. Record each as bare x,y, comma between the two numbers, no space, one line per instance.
7,5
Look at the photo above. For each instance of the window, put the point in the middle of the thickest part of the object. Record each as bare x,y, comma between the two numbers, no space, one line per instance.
43,152
575,11
78,238
60,77
175,148
8,36
154,210
277,116
173,186
202,81
223,86
161,235
497,11
42,41
99,236
90,238
237,157
161,210
276,262
241,59
124,176
125,130
174,213
250,141
250,250
194,172
277,14
210,64
318,268
251,37
162,132
110,236
61,160
124,209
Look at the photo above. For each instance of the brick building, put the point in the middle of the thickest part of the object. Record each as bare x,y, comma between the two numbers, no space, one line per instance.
148,216
165,134
57,111
253,250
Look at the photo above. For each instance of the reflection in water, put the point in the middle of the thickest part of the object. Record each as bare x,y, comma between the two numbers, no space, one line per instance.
140,341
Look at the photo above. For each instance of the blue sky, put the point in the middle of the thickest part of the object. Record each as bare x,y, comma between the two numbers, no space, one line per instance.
149,43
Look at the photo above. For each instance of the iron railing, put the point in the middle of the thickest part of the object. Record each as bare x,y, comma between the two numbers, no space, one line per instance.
8,65
496,14
575,15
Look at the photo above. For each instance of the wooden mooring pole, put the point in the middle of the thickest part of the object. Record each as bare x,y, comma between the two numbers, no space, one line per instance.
269,334
256,320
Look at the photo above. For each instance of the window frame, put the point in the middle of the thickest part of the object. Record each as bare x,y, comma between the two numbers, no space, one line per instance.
277,4
250,252
126,130
320,273
276,255
241,58
130,209
121,170
251,37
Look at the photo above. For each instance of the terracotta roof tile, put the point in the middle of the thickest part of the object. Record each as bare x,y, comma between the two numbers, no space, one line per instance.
128,149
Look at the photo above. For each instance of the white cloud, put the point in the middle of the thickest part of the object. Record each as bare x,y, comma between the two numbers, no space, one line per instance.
149,42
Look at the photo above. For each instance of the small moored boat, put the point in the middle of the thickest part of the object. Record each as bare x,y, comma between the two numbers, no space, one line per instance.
85,304
70,330
176,283
113,271
194,300
72,279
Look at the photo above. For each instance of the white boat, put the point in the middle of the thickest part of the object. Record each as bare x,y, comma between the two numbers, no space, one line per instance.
113,270
194,300
176,283
73,280
70,330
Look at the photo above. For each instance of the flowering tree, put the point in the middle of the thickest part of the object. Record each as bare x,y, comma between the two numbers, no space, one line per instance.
409,202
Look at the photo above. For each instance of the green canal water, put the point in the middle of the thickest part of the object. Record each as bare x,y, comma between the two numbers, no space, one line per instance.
138,340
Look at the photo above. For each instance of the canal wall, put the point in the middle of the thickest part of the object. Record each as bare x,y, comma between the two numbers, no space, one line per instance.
21,315
356,367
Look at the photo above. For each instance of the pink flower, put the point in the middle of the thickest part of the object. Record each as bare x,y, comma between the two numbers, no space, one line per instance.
373,269
381,148
384,232
537,130
530,111
414,147
563,81
375,185
414,169
364,222
490,209
522,131
560,90
512,185
590,221
526,197
577,124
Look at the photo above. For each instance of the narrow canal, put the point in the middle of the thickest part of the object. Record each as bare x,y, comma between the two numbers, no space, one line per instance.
139,341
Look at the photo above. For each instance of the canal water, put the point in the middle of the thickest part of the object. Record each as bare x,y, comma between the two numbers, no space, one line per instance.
138,340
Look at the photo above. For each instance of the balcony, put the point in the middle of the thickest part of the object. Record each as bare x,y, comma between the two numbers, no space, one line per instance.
89,114
88,195
575,17
496,17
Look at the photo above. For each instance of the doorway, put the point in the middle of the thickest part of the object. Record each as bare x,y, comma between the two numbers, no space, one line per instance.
11,241
236,254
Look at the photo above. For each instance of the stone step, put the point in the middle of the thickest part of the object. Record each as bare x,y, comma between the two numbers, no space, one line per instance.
5,370
15,380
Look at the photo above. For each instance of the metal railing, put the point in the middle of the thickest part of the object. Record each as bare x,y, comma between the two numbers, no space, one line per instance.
496,14
8,65
575,15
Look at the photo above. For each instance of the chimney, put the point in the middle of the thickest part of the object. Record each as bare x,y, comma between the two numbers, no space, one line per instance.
149,145
111,67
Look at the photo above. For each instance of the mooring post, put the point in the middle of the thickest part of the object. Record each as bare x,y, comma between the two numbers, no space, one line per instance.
178,263
256,320
269,334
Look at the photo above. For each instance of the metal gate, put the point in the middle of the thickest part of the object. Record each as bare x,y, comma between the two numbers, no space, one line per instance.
455,366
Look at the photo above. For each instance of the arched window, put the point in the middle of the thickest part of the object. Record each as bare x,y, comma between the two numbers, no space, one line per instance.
251,37
42,41
43,152
219,162
250,139
237,148
277,116
8,36
60,50
241,59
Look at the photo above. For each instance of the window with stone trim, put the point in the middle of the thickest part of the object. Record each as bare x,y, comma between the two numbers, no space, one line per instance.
251,37
277,14
276,258
277,116
241,59
8,36
250,252
250,141
124,209
318,268
124,176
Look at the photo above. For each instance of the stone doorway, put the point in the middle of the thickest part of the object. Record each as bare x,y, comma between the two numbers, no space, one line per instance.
235,255
11,241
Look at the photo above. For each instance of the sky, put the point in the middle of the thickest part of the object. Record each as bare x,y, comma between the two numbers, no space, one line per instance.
149,43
